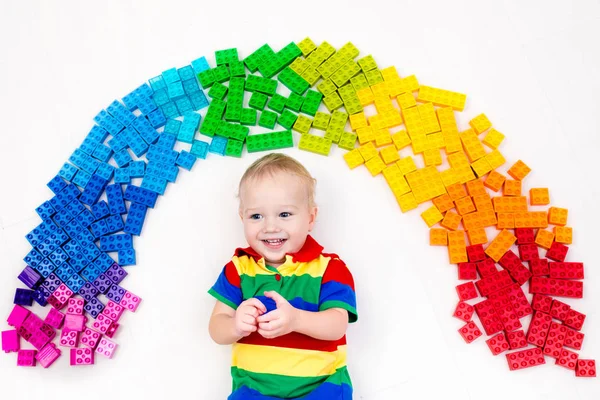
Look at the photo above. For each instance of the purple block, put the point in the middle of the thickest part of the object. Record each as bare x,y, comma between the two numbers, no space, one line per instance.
30,277
23,297
54,318
26,358
48,355
116,273
88,291
10,341
19,314
115,293
103,283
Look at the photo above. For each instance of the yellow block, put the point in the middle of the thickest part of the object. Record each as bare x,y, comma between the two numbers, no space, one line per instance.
354,159
432,216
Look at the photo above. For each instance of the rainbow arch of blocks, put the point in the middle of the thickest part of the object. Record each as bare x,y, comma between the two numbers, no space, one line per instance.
90,215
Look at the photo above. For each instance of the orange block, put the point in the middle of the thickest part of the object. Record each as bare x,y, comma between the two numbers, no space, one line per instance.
456,191
475,187
500,245
483,202
519,170
544,238
457,254
558,216
512,188
477,236
451,220
472,221
510,204
563,234
531,219
438,237
464,205
488,217
443,203
506,221
539,197
494,181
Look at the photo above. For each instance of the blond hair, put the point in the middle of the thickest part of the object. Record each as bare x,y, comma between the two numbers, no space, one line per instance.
277,162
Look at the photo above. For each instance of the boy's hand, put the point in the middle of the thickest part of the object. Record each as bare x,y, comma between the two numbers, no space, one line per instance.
246,314
278,322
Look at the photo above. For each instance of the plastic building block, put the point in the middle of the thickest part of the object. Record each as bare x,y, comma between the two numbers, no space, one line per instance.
486,267
494,181
269,141
94,307
467,271
185,160
493,283
563,234
525,359
451,220
557,251
90,338
544,238
477,236
140,195
376,165
558,216
466,291
574,319
69,338
516,339
10,341
115,293
26,358
106,347
554,341
567,359
431,216
500,245
585,368
574,339
135,219
248,116
489,317
130,301
539,328
47,355
438,237
539,197
82,356
512,187
470,331
113,311
23,297
234,148
519,170
464,311
498,344
315,144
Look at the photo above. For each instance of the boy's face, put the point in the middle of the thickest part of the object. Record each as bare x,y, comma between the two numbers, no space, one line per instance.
276,215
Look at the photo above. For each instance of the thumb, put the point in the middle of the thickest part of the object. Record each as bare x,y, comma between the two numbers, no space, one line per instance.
279,299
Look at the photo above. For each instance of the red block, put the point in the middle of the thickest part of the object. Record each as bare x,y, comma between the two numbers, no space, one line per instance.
567,359
520,274
516,339
493,283
470,331
463,311
539,267
555,340
497,344
574,319
519,301
542,302
557,251
556,287
528,252
585,368
490,320
566,270
538,328
510,261
475,253
524,235
559,310
467,271
525,358
574,339
466,291
486,267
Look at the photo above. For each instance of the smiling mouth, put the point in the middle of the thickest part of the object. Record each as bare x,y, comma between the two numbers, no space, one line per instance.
274,243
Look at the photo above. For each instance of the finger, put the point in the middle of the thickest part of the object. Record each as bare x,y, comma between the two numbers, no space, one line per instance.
248,319
279,299
268,334
257,303
251,311
248,328
270,316
270,326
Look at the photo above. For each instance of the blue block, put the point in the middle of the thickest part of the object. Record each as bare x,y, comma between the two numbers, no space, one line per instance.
170,110
98,134
67,171
126,257
85,236
200,64
145,130
85,218
103,262
99,228
140,195
130,101
108,122
88,292
69,193
62,218
77,157
117,143
93,190
49,244
102,153
58,203
123,158
190,86
166,141
184,105
186,73
64,272
161,97
161,170
170,76
172,127
218,145
116,242
191,120
78,262
114,197
23,297
186,160
72,248
74,208
45,210
146,104
199,100
84,161
40,295
58,256
88,146
157,118
162,155
186,134
199,149
94,307
33,258
114,223
91,272
157,83
137,169
144,90
73,228
154,183
122,175
100,210
135,141
175,90
45,268
105,171
75,283
135,219
120,113
39,233
56,184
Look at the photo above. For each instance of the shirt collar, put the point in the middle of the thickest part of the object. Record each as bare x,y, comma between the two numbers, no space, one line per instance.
309,251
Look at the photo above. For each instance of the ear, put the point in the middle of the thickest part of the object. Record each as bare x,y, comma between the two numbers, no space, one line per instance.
240,214
313,211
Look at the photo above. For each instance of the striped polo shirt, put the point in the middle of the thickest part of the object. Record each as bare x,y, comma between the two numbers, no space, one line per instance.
291,366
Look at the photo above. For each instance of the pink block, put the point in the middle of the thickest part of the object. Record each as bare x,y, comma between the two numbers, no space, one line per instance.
48,355
17,316
102,323
75,306
83,356
113,311
106,347
54,318
10,341
26,358
38,339
69,338
90,338
74,322
130,301
60,296
112,329
32,323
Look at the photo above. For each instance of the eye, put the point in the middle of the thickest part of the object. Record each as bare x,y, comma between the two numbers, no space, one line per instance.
285,214
256,216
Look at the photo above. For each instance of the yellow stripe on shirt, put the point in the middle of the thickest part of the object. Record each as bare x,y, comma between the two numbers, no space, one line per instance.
247,266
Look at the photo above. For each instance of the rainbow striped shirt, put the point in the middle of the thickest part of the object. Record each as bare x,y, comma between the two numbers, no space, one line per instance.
292,366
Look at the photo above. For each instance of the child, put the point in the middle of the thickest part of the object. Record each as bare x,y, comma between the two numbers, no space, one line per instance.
283,303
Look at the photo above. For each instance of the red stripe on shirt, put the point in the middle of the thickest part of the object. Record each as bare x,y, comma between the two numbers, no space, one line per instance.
337,271
295,340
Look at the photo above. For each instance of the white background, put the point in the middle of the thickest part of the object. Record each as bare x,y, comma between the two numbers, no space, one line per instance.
532,67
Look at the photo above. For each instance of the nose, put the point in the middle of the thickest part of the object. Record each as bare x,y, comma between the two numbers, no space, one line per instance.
271,225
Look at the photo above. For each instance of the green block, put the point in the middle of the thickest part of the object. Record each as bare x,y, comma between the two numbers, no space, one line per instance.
287,119
302,124
272,65
216,109
374,77
258,100
294,102
217,91
269,141
209,126
206,78
333,134
293,81
234,148
255,58
322,53
259,84
267,119
345,72
321,120
329,67
315,144
347,140
333,102
277,103
232,130
236,85
310,75
326,87
307,46
226,56
338,119
312,100
367,63
237,68
248,116
359,82
221,73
